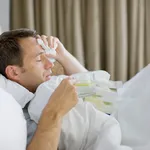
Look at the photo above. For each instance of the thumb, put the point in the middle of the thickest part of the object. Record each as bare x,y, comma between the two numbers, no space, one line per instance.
72,80
51,56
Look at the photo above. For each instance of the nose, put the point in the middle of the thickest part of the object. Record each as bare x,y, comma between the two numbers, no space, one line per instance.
47,63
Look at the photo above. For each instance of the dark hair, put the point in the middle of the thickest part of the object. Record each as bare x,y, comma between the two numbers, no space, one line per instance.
10,50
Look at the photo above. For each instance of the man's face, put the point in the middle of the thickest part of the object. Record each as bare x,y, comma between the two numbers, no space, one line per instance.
37,67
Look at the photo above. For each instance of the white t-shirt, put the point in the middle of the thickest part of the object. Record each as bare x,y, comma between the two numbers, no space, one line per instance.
13,132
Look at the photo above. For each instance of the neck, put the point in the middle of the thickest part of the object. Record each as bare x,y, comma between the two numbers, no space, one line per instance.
30,88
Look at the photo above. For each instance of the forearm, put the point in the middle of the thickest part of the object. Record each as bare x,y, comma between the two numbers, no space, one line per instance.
47,133
71,64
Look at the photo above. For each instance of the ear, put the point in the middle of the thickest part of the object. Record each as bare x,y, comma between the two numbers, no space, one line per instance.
13,72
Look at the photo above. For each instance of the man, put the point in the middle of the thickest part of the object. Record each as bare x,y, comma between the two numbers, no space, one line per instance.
24,61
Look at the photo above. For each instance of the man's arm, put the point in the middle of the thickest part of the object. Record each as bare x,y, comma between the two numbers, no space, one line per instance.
47,134
61,102
71,64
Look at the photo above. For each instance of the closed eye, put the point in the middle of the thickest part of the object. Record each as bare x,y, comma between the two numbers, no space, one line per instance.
38,60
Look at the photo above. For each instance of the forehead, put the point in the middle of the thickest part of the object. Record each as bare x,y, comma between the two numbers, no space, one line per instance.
30,46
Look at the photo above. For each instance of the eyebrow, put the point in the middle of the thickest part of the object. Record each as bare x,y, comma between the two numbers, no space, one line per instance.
40,53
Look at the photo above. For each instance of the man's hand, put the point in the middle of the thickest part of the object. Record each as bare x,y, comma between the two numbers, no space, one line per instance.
53,42
48,131
63,99
69,62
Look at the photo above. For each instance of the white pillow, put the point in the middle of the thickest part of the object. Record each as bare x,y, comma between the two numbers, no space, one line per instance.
12,124
20,94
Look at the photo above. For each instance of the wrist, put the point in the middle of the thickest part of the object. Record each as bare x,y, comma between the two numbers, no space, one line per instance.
49,119
63,57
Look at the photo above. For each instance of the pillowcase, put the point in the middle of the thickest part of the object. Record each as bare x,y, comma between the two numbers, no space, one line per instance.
13,130
20,94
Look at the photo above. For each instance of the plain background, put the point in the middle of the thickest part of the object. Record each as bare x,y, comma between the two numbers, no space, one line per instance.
4,14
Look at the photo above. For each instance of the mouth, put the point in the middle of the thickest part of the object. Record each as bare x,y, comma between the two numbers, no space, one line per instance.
48,77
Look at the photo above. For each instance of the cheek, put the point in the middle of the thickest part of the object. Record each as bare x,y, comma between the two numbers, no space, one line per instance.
37,66
36,69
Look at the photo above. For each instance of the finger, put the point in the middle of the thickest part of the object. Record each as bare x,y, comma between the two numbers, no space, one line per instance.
44,38
75,97
72,80
67,80
51,55
55,41
50,42
38,36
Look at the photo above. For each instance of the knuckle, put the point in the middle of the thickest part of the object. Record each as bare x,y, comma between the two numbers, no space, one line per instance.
74,89
38,36
62,82
43,36
56,39
65,80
